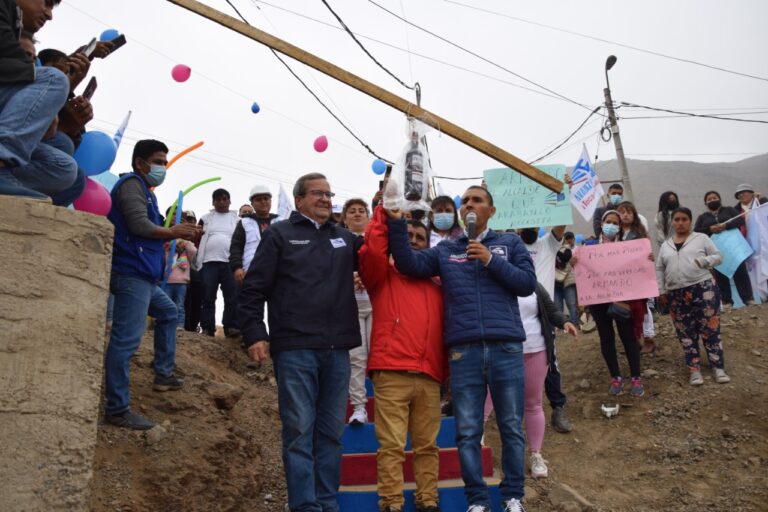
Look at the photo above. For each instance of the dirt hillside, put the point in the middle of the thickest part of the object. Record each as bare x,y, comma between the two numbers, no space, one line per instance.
678,448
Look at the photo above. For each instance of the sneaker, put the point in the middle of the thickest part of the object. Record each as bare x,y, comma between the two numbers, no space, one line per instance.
428,508
359,416
514,505
721,377
750,303
169,383
617,386
560,421
478,508
538,466
129,419
637,389
696,379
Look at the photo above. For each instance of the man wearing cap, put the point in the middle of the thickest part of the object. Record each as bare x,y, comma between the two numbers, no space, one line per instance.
247,235
745,194
336,210
213,262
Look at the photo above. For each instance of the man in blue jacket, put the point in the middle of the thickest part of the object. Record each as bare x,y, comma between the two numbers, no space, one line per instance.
138,257
303,269
481,279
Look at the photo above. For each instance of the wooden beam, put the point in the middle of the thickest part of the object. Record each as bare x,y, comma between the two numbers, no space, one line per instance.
394,101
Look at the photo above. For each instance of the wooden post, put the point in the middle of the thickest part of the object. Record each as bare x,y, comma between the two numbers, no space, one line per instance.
394,101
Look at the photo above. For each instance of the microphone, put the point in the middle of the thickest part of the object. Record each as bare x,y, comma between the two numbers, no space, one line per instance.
472,225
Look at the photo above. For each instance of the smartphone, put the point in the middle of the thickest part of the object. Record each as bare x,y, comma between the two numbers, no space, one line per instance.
117,43
90,88
90,48
381,184
388,172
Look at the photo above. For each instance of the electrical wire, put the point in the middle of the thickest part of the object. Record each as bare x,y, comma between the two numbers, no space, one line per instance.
690,114
586,36
569,137
365,50
314,95
476,55
757,112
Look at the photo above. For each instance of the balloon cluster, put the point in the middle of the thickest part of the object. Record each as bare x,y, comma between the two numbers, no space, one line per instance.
95,155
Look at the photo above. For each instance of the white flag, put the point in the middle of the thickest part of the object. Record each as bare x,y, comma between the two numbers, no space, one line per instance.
284,205
121,130
586,189
757,236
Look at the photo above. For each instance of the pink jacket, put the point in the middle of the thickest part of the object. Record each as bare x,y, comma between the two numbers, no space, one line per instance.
180,269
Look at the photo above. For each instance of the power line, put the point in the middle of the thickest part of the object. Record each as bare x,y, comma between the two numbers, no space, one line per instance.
570,136
476,55
751,113
365,50
284,63
586,36
689,114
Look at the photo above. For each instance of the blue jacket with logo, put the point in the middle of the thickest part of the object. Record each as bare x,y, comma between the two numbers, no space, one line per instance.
305,274
480,302
133,255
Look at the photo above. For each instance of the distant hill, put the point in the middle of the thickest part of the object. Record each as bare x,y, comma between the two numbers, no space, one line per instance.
690,180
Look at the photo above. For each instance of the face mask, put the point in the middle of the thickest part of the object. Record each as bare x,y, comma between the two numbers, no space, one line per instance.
673,204
616,199
610,230
529,236
156,175
714,205
443,221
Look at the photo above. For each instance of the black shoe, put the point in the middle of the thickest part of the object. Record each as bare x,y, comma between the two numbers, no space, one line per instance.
208,333
129,419
232,333
560,421
169,383
428,508
446,408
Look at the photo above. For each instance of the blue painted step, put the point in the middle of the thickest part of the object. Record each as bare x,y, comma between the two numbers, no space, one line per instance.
368,387
362,438
363,498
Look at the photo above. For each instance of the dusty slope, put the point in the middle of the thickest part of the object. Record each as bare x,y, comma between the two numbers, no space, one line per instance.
678,448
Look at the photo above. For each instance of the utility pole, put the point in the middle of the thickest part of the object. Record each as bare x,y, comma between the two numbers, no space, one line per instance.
615,132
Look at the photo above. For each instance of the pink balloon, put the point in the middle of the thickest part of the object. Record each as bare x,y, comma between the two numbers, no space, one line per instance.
181,73
95,199
321,143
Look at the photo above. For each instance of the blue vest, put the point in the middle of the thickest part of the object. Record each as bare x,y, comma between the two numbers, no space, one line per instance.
133,255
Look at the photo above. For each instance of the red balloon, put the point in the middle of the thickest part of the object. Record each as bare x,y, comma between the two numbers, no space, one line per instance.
181,73
321,143
95,199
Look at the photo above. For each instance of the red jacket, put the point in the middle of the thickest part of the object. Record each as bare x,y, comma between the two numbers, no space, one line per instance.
407,312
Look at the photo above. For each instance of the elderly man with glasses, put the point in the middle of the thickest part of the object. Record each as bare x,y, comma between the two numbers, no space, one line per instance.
304,271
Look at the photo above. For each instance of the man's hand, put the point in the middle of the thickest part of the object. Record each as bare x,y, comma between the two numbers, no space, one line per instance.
568,180
183,230
572,330
651,256
78,69
717,228
103,48
477,251
359,286
259,351
240,275
76,114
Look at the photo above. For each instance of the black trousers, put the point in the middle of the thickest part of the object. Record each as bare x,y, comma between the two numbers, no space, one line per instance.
742,282
553,385
608,340
193,303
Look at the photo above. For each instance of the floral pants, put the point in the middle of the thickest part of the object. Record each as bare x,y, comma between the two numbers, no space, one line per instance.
695,312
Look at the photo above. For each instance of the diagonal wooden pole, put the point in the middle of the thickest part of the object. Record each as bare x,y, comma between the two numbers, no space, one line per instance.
394,101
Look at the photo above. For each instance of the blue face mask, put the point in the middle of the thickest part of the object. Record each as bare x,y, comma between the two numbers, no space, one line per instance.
610,230
443,221
156,175
616,199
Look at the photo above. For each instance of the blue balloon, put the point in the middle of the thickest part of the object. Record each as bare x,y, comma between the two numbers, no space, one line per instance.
579,238
96,153
457,202
379,166
109,35
255,108
542,232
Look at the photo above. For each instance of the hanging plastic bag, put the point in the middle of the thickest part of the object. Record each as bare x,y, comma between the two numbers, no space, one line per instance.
412,172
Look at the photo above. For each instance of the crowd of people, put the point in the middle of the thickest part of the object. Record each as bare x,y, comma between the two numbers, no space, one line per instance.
435,307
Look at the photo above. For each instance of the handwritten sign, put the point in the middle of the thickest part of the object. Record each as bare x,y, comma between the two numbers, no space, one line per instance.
734,249
522,203
615,272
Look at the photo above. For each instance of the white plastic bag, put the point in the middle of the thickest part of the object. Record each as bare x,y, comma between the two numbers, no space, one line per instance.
412,172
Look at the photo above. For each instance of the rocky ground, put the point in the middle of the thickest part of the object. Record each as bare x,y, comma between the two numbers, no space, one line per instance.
678,448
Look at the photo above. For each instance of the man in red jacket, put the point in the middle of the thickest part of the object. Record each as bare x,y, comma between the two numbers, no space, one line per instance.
407,362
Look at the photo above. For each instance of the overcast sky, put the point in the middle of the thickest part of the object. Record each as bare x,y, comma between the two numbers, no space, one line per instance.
229,72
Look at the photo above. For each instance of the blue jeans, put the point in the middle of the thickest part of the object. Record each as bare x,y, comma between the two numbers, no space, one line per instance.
53,171
568,294
213,274
134,298
312,390
177,292
499,367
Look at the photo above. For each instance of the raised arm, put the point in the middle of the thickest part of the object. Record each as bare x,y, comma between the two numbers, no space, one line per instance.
373,258
407,261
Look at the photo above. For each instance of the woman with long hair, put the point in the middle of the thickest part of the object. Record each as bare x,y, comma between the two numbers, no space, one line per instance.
444,221
685,283
668,202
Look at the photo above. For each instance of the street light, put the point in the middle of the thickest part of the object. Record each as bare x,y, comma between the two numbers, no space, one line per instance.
609,63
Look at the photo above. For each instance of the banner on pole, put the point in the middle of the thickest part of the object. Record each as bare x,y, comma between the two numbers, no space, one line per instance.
284,205
734,249
586,190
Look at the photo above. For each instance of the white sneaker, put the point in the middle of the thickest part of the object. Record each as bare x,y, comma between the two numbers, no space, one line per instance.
721,377
538,466
514,505
696,379
478,508
359,416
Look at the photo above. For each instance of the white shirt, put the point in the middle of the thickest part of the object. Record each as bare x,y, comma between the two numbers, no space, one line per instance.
218,236
543,252
529,314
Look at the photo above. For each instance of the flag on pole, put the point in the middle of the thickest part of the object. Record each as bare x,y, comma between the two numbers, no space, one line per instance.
440,190
757,236
586,190
284,205
121,130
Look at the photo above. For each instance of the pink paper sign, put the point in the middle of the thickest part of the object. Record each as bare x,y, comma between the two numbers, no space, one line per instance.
615,272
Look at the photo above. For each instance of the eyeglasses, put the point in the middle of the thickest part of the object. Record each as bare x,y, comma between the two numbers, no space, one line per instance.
321,193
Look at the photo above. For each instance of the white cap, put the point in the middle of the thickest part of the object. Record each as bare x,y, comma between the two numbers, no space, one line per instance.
336,208
259,190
